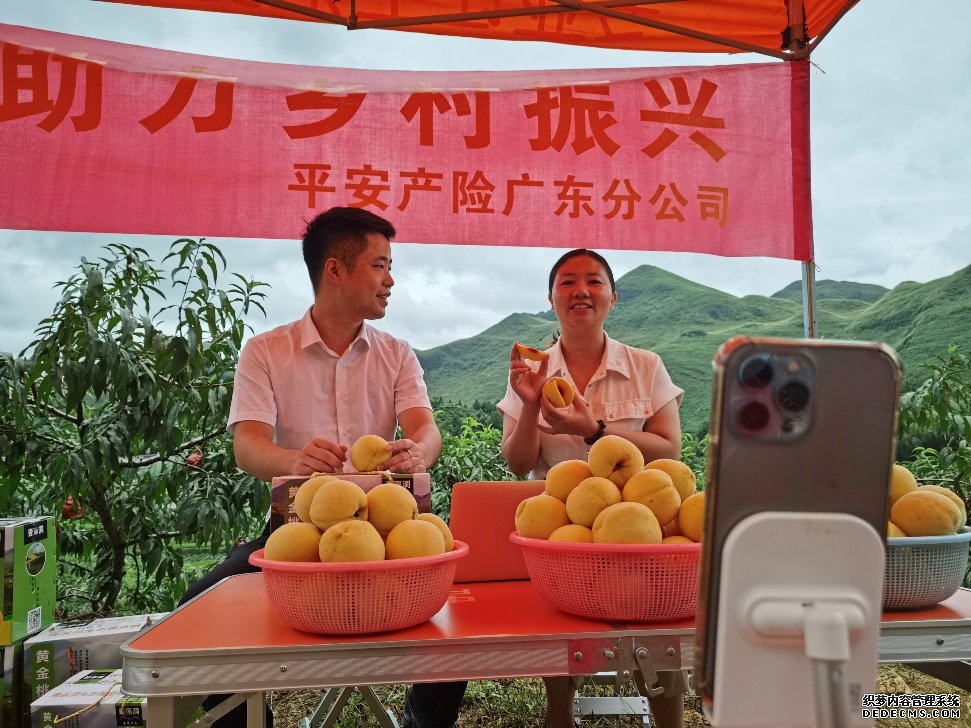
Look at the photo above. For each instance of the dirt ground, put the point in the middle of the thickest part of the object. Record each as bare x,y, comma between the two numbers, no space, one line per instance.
520,703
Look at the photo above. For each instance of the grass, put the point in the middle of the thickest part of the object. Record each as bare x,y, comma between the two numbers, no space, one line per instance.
520,704
516,703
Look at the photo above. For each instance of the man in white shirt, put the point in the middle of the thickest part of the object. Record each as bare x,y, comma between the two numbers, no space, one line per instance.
305,391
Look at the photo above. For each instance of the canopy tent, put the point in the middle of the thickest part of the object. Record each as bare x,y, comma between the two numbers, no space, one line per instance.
777,28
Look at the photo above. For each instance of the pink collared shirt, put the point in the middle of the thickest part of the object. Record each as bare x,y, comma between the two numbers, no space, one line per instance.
289,379
629,386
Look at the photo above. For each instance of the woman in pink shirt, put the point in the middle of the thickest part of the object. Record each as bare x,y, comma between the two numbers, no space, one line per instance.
619,390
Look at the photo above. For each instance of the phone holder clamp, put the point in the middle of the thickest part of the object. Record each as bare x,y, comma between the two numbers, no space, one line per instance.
799,602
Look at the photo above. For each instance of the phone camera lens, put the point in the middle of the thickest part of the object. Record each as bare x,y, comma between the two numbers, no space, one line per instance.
755,372
793,396
754,416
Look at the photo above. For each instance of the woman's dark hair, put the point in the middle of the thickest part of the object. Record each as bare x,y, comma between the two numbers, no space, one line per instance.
590,254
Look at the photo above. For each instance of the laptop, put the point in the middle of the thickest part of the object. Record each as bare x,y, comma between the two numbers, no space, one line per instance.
483,515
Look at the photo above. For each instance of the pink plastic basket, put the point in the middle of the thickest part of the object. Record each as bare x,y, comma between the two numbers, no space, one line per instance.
361,597
615,582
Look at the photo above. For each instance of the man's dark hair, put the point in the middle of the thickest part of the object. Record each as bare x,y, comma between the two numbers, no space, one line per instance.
590,254
341,233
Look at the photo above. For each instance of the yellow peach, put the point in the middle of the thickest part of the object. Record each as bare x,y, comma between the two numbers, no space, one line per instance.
654,489
558,392
410,539
626,523
962,517
528,352
441,526
924,513
566,475
585,502
351,541
683,477
539,516
368,452
293,542
388,505
901,481
573,533
305,495
893,531
336,501
615,458
676,539
691,517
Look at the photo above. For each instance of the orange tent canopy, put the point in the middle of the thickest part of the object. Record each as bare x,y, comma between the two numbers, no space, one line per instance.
778,28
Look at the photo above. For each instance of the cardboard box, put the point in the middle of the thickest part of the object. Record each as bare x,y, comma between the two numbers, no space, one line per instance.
94,700
12,713
66,648
29,571
283,489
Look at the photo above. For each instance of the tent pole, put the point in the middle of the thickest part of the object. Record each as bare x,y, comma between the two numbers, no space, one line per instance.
799,48
809,299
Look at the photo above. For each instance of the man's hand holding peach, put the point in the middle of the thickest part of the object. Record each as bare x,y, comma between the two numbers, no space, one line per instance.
318,456
406,458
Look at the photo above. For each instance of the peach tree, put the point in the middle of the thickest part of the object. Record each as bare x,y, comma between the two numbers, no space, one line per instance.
113,419
472,453
938,414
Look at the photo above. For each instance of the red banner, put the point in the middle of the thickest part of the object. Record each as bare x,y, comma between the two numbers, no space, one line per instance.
105,137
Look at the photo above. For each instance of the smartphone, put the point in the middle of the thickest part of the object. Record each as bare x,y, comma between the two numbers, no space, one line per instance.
796,425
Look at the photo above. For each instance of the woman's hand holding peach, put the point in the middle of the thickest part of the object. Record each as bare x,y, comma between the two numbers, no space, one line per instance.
526,383
576,419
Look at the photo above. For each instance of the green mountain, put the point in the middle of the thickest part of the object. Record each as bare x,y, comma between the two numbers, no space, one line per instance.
685,322
829,290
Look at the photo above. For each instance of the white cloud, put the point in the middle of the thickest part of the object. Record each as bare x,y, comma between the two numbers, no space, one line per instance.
890,110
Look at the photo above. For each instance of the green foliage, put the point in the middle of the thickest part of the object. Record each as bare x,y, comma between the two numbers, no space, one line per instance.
473,454
120,403
451,416
694,454
939,410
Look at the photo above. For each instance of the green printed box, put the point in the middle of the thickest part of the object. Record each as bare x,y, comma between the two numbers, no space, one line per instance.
285,488
66,648
11,706
90,699
27,590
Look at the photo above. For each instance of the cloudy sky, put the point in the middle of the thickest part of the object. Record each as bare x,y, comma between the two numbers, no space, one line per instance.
891,121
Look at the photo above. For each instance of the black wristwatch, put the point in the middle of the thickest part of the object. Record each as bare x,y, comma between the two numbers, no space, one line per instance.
601,428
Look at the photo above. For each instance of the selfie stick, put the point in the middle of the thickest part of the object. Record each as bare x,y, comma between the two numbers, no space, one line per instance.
799,605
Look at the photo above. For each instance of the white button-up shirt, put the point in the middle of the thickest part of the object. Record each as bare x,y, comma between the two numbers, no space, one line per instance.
629,386
289,379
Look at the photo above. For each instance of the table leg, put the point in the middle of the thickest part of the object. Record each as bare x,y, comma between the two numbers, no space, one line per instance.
331,706
385,717
256,710
160,712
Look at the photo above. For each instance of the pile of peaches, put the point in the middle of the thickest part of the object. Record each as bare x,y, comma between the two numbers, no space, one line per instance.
613,497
